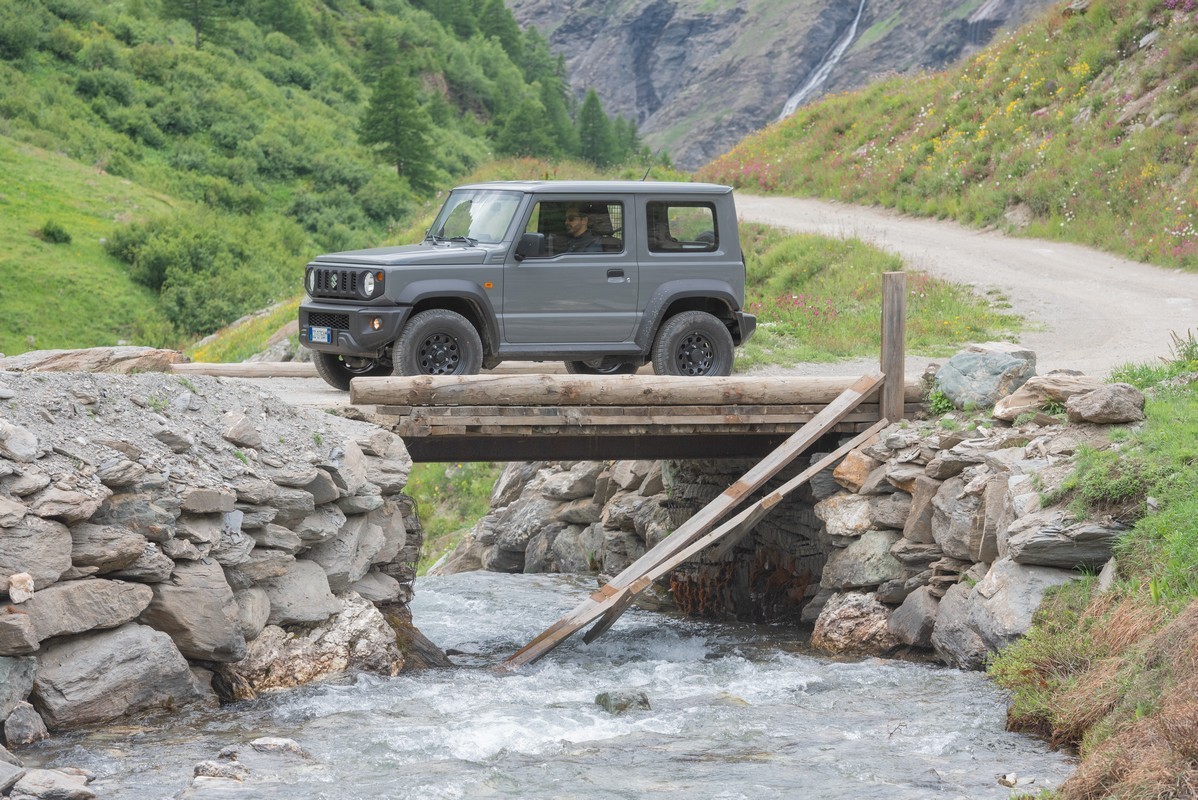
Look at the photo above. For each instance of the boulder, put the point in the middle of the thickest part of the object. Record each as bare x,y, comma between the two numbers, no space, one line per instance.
521,520
321,525
853,622
198,500
98,678
1046,538
196,608
865,562
17,443
844,514
1002,604
619,703
853,470
918,526
889,510
578,482
300,596
348,467
40,547
152,566
1036,393
253,611
78,606
954,639
1110,404
576,548
377,588
348,555
980,376
511,482
16,679
106,547
956,523
24,726
912,623
357,638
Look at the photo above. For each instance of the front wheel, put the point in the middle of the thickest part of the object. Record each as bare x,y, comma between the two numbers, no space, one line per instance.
601,366
338,371
693,343
438,342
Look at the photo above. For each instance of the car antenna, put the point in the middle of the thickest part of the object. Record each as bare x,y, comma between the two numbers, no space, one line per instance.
645,177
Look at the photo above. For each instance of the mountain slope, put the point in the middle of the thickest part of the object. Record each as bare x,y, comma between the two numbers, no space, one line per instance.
697,76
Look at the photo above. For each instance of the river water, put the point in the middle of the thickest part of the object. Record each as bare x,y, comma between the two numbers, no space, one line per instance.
736,711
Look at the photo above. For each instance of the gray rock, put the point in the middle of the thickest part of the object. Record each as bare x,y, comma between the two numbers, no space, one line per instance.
523,519
11,511
120,473
196,608
390,519
1039,390
38,546
629,474
254,490
390,474
889,510
263,563
278,538
912,623
68,505
1110,404
582,511
918,526
321,525
97,678
1002,604
24,482
576,548
107,547
538,555
9,775
654,482
16,680
578,482
348,555
253,611
360,503
200,529
292,505
198,500
322,487
17,443
24,726
844,514
866,562
377,588
954,638
1046,538
621,702
239,430
139,512
302,595
979,378
78,606
956,524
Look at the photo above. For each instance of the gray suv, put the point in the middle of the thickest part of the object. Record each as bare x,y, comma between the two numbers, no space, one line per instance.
603,275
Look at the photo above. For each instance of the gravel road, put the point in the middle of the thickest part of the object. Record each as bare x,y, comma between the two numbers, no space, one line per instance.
1086,310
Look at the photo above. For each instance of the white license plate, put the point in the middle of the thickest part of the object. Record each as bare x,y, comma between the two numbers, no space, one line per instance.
320,335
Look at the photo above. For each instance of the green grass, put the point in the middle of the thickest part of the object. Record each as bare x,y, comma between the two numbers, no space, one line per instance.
819,299
1113,673
450,498
1068,119
58,295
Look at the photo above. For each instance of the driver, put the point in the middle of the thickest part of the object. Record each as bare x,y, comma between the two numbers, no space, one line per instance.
581,239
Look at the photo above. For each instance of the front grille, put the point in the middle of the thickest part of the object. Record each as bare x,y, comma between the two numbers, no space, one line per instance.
335,283
325,320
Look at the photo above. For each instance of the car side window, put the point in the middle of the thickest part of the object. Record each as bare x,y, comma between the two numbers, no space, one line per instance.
681,227
578,226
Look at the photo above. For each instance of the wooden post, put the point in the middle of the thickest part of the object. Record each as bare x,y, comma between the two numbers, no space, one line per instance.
894,329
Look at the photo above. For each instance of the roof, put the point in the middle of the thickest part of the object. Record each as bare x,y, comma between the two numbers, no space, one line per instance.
603,187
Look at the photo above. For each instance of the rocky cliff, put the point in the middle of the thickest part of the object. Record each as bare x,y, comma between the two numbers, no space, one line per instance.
168,540
698,76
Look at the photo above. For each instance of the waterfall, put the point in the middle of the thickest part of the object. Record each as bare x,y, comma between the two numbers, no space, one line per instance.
824,68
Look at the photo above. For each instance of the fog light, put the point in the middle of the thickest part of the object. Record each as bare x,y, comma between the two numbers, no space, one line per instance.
376,323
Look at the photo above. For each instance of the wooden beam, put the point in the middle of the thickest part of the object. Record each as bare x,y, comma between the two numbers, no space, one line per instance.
249,369
735,528
703,521
597,390
894,348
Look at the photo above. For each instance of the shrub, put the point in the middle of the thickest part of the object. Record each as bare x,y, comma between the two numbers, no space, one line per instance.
53,233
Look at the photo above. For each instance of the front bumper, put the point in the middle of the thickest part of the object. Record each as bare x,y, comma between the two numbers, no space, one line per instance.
351,329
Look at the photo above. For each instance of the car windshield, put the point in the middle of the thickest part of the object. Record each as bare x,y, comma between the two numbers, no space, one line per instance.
475,215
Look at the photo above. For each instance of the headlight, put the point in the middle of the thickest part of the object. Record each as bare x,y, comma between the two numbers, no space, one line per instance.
368,284
311,281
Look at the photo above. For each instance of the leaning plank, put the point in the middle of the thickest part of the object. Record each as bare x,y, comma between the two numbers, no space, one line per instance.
701,522
733,529
600,390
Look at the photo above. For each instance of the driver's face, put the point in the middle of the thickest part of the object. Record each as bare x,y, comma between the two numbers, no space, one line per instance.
576,223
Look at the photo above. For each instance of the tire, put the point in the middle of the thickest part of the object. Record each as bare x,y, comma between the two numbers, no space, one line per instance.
596,366
693,343
337,372
438,342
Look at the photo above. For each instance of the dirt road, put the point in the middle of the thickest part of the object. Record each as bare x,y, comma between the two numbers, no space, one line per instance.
1086,310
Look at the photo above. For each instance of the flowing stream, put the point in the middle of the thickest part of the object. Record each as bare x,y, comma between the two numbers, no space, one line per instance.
737,711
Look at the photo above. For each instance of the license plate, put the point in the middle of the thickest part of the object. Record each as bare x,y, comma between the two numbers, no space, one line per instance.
320,335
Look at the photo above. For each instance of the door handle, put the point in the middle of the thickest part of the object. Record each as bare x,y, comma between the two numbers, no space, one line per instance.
615,273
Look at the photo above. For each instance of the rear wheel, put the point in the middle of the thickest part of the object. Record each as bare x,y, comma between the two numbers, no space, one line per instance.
338,371
693,343
601,366
438,342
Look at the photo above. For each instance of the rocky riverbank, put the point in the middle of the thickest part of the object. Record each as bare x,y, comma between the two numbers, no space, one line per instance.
166,541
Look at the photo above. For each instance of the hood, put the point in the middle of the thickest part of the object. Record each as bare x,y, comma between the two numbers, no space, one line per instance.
414,254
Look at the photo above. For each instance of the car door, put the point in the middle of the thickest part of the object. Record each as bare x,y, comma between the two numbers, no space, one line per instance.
563,296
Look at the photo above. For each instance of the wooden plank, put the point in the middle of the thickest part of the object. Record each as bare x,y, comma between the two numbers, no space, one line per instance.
602,390
248,369
705,519
894,356
737,526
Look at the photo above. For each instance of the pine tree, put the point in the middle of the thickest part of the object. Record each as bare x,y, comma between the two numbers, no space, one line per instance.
204,16
397,128
523,132
595,140
495,20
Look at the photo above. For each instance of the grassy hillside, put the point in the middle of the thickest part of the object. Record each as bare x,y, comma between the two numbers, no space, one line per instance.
1081,127
242,122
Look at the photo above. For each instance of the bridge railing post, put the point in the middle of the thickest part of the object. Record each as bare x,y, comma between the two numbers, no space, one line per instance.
894,331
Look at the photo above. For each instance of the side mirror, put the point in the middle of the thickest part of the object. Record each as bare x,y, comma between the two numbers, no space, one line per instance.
531,245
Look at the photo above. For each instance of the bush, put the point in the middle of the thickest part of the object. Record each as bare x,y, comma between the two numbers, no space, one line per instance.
54,233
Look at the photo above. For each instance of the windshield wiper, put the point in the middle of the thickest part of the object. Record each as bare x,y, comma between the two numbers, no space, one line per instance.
444,239
466,239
